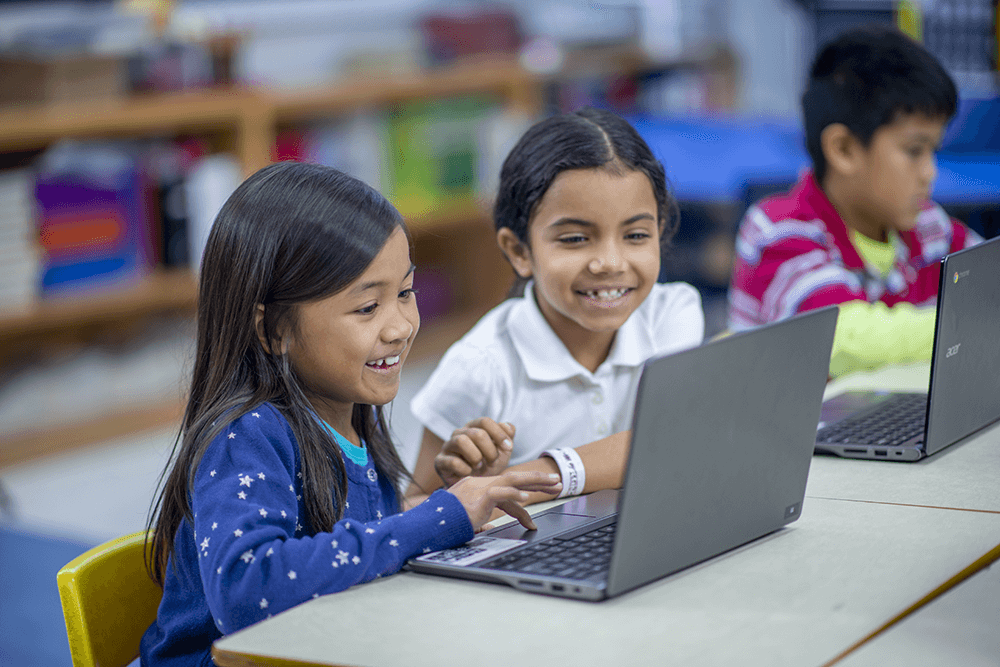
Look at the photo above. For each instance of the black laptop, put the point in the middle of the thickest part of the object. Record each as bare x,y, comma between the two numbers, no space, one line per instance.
964,393
722,439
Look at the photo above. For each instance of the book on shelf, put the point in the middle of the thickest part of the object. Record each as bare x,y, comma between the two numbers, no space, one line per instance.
87,217
290,144
169,164
435,288
210,181
433,151
19,251
499,132
355,144
95,218
428,157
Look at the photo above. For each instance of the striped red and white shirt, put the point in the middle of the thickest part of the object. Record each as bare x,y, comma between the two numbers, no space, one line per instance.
793,254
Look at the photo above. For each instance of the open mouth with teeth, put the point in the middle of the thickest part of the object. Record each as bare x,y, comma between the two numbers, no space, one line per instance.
605,294
382,364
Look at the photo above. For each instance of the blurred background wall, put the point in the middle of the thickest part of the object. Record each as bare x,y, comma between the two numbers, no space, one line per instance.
125,125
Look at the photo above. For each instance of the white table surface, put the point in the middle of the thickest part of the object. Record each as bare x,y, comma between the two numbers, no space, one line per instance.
961,627
905,377
798,597
962,476
875,538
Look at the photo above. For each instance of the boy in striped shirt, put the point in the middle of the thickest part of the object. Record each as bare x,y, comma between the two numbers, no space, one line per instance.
859,230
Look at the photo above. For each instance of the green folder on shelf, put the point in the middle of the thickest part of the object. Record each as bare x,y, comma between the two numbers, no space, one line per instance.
433,148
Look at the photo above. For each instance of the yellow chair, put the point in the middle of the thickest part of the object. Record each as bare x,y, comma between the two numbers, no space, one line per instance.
109,601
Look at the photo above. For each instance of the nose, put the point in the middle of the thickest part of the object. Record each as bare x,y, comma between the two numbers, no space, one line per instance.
398,327
607,259
930,170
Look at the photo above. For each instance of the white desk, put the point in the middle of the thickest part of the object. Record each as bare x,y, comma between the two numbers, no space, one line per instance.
907,377
958,628
800,596
875,539
962,476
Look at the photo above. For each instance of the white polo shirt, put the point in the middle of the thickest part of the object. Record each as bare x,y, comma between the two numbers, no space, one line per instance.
512,367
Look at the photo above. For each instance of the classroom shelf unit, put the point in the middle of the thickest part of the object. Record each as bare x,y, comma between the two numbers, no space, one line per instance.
245,121
249,117
164,291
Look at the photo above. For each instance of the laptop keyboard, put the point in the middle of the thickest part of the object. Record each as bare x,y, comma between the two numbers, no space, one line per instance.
893,422
579,557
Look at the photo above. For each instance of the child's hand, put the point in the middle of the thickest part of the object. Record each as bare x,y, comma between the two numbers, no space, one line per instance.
481,448
480,495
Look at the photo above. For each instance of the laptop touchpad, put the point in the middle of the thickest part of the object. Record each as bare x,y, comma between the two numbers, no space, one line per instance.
548,525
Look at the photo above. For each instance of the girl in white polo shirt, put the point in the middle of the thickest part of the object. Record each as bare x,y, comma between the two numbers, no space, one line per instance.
547,380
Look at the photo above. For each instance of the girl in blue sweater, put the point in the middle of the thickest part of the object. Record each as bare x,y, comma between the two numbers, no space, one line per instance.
285,485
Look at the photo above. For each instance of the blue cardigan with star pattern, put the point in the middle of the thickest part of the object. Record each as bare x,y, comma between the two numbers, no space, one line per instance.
248,554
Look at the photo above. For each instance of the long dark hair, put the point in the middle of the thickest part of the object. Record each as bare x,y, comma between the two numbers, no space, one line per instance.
585,139
291,233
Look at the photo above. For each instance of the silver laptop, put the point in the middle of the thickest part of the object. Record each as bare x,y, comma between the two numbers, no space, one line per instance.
722,439
964,392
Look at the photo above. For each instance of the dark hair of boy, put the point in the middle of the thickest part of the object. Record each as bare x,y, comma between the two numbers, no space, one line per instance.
291,233
864,79
585,139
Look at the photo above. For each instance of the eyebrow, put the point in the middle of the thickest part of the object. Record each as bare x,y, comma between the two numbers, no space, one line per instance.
920,135
379,283
564,222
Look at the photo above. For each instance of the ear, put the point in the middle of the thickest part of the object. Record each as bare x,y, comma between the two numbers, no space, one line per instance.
258,323
516,252
841,149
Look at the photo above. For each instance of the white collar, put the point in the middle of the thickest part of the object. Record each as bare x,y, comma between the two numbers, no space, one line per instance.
546,358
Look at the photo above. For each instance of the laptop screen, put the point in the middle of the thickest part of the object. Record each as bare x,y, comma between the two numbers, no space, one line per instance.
965,371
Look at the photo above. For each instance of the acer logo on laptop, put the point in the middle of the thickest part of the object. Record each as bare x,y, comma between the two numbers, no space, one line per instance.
952,351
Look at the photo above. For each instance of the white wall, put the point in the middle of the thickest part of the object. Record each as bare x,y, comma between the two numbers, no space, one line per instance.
774,43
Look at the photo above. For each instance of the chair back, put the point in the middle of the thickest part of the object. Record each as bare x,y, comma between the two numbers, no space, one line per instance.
109,601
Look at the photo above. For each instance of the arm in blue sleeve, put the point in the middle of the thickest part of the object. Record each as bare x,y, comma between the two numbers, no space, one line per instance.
255,557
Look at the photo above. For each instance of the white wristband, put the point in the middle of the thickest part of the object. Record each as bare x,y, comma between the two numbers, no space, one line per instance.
574,477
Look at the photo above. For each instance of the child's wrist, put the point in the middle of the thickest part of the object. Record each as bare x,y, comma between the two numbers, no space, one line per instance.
574,476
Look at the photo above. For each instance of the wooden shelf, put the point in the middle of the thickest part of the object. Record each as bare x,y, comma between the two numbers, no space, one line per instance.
160,292
147,115
163,291
238,108
502,77
469,213
245,120
250,115
28,445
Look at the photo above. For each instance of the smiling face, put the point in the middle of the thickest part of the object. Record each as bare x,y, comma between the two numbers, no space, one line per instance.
350,347
593,251
892,176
